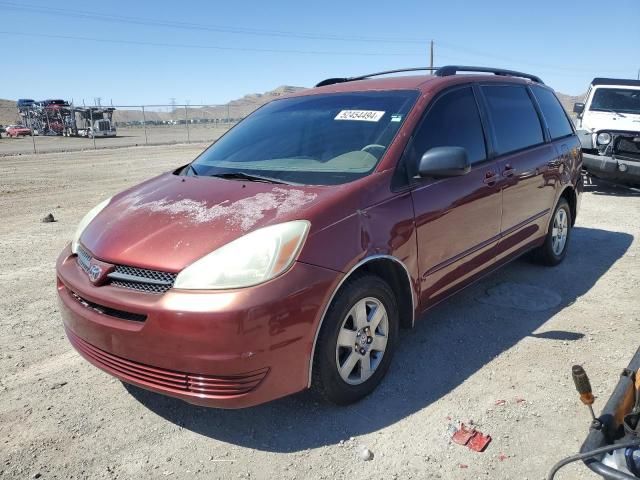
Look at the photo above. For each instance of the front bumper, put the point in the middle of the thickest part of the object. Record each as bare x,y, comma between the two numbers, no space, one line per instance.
612,168
227,349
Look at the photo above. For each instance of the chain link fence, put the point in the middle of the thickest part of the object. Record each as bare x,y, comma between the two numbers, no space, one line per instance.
62,128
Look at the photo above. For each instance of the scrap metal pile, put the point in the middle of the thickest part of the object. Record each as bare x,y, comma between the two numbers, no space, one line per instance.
59,117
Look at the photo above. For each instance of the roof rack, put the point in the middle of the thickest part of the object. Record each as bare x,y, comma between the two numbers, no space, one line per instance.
439,71
331,81
454,69
615,81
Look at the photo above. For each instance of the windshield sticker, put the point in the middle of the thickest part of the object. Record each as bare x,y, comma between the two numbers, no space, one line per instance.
396,118
360,115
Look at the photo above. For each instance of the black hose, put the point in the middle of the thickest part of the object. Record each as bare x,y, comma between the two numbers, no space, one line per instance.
593,453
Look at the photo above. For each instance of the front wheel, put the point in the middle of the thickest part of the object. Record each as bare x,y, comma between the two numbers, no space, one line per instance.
356,341
555,245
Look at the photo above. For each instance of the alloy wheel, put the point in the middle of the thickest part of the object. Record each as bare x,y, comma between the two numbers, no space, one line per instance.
559,231
362,341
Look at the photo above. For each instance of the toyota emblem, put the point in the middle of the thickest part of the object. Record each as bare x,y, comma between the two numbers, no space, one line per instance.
94,273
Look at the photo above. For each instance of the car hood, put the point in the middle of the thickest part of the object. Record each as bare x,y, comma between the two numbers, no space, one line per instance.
170,221
603,121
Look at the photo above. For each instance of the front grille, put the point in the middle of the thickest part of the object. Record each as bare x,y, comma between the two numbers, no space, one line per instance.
141,279
84,259
133,278
112,312
627,147
169,380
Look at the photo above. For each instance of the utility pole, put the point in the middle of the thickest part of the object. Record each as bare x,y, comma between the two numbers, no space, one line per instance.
431,58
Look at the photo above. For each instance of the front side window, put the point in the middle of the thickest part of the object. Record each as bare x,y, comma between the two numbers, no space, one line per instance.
312,140
452,121
617,100
553,113
515,121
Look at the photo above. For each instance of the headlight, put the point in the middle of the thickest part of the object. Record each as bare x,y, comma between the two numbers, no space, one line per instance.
255,258
603,138
86,221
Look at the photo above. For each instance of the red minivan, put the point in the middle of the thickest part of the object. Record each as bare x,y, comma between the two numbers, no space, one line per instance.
290,252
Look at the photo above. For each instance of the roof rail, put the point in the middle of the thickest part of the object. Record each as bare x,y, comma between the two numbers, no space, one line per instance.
331,81
454,69
439,71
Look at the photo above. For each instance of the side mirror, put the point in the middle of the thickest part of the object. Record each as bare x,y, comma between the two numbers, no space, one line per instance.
578,108
444,162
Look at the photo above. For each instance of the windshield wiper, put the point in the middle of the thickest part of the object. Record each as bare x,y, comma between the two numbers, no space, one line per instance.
617,113
247,176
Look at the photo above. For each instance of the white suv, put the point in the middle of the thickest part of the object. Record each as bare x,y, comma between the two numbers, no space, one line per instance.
609,128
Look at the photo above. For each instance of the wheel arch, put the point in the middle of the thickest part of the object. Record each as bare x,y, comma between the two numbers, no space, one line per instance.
392,270
569,194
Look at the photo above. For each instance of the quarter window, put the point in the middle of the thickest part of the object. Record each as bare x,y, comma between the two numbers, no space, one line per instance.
452,121
553,112
515,121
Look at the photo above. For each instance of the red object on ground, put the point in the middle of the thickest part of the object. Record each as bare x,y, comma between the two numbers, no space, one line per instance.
479,442
471,438
463,435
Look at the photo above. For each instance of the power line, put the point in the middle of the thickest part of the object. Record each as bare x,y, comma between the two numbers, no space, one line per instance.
92,15
89,15
208,47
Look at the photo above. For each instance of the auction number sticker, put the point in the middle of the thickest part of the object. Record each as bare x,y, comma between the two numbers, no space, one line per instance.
360,115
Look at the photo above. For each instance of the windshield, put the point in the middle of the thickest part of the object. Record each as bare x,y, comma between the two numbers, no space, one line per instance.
313,140
619,100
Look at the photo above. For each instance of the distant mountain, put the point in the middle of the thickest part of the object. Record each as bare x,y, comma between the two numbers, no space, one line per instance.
567,101
8,112
238,108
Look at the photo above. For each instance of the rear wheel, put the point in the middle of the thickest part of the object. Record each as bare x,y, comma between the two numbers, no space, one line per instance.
356,341
554,249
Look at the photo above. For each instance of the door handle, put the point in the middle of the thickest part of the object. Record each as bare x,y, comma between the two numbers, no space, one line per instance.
508,171
555,163
490,177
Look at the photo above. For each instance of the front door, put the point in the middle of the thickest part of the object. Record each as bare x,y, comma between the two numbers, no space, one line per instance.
457,218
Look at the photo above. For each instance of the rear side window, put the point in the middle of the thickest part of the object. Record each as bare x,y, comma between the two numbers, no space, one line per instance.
452,121
553,112
515,121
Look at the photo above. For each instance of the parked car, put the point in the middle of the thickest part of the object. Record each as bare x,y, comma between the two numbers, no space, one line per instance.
24,103
609,129
16,131
290,252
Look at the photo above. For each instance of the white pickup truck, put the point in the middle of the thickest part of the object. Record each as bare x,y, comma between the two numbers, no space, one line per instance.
609,128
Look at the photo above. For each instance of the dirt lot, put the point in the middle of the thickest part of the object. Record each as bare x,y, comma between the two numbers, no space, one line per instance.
126,137
62,418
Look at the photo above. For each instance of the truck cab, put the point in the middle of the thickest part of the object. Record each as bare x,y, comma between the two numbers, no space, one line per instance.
608,125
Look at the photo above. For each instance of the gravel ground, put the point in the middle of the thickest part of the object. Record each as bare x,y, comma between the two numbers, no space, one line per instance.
487,356
126,137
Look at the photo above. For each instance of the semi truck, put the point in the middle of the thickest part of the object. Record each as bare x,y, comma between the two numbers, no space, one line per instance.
89,122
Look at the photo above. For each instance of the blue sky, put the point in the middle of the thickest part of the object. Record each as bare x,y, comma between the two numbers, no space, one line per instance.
211,52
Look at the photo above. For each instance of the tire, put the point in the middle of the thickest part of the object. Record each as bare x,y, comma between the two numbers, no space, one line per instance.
554,249
364,293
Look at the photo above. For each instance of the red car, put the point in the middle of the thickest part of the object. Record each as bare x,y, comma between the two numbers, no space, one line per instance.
16,131
290,253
